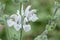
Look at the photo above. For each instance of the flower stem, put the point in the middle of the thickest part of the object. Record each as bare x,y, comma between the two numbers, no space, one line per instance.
21,31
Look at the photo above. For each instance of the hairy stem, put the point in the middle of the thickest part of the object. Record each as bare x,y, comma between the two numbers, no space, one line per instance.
53,15
21,32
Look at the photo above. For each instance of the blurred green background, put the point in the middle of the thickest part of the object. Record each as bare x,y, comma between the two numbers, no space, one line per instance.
44,9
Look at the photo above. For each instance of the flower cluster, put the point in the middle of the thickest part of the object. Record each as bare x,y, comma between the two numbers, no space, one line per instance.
16,19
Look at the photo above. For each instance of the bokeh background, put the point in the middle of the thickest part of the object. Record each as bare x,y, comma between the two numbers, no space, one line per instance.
44,9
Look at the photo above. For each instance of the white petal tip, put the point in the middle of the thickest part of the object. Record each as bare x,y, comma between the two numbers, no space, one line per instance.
27,28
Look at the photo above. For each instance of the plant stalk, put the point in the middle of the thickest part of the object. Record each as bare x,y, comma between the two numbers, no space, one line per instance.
21,31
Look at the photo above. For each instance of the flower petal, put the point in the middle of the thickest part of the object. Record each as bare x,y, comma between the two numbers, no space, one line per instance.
18,19
27,10
18,12
17,26
14,16
18,16
10,22
26,28
32,11
25,19
33,18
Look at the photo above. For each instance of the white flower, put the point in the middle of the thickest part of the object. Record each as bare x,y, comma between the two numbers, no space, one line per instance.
10,22
30,14
26,28
17,26
17,16
27,10
33,18
15,22
14,16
